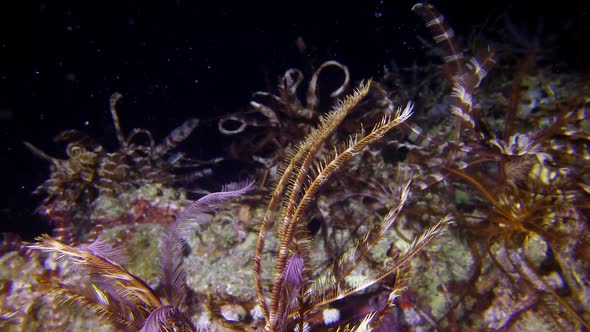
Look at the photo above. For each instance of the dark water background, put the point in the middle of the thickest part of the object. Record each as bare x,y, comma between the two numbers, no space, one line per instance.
178,59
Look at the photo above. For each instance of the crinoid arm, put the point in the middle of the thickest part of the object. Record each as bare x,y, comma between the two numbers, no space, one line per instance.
114,293
298,187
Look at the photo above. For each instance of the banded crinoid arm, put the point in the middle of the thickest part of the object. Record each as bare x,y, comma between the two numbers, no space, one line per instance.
175,137
466,74
443,35
169,143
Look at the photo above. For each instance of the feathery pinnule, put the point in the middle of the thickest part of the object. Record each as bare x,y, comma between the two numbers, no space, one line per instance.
298,186
122,298
114,293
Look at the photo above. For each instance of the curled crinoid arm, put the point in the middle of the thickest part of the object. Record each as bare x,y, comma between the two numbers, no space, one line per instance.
312,95
269,110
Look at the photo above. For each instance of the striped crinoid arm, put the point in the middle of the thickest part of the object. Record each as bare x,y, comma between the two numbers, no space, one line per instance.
443,35
113,292
467,74
115,97
176,137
